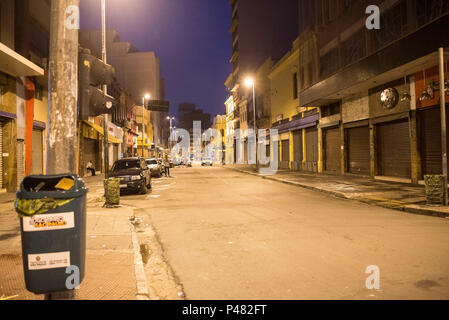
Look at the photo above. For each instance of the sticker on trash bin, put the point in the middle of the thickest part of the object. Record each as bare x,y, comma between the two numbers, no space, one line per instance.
49,260
48,222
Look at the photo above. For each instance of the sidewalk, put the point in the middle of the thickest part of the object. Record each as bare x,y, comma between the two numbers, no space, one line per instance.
111,256
388,194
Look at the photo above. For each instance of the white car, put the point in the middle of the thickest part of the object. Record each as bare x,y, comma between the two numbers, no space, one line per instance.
154,167
207,162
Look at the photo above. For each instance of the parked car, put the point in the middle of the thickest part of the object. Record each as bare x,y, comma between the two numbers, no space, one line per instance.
154,166
207,162
133,173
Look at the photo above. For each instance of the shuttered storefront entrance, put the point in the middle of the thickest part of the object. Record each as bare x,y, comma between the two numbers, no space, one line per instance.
1,155
91,153
430,140
285,154
358,150
332,149
393,149
311,149
37,152
297,150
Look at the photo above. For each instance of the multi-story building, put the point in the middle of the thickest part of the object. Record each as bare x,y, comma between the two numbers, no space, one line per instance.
260,30
138,72
24,52
375,119
219,124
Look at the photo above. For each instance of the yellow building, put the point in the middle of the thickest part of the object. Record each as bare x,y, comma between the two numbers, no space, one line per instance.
230,130
220,125
148,134
297,127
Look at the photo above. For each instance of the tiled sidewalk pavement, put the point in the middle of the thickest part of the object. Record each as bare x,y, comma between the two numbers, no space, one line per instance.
389,194
109,258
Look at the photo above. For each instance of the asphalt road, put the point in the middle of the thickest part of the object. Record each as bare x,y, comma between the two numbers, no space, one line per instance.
228,235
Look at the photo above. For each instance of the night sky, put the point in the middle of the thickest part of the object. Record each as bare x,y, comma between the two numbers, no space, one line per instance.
191,38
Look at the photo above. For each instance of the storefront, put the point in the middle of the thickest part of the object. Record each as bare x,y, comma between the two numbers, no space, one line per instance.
393,149
332,147
358,149
297,150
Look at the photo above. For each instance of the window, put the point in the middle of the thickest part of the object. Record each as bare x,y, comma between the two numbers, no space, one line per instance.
1,94
295,85
331,109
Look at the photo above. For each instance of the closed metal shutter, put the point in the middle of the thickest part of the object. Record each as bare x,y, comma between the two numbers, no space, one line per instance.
311,149
430,140
358,150
91,153
115,151
297,150
37,154
332,149
285,154
393,149
1,155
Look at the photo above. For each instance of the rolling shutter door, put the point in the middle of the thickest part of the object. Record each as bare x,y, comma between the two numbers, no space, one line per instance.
311,149
1,155
430,140
332,143
37,154
285,154
393,149
358,150
90,153
297,149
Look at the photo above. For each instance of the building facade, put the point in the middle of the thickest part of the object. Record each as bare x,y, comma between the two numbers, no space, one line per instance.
369,85
24,52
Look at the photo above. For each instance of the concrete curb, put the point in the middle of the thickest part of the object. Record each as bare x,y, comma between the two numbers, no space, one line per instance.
384,204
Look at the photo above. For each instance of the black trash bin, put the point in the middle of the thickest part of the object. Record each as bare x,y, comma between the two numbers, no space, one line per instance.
52,209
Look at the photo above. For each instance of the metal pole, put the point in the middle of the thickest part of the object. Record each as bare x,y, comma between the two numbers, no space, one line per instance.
62,107
255,124
443,123
105,90
143,124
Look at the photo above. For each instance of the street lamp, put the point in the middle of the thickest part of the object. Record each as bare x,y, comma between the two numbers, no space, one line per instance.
171,130
146,97
249,82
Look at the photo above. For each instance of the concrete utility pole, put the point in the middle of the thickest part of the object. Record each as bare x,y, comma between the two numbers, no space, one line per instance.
105,90
63,106
443,122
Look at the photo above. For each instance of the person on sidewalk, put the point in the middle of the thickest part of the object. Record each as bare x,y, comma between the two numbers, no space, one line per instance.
90,167
167,167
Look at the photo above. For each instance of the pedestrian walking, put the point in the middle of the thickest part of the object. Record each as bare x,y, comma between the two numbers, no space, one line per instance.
167,167
90,167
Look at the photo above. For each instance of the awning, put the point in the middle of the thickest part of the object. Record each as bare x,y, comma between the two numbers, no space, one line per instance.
99,129
297,124
16,65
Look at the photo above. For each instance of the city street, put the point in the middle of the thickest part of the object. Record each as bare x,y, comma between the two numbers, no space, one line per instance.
227,235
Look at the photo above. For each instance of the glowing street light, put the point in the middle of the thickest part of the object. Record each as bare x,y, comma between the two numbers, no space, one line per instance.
249,82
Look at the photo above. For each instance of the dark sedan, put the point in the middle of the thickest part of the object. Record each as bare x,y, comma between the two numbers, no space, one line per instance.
133,173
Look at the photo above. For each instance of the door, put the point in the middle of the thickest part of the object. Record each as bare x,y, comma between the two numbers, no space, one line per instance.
1,155
332,150
91,153
37,153
430,140
358,150
285,154
311,149
297,150
393,149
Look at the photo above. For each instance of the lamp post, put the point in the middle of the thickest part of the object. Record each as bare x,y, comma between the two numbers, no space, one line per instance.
171,131
144,98
249,82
